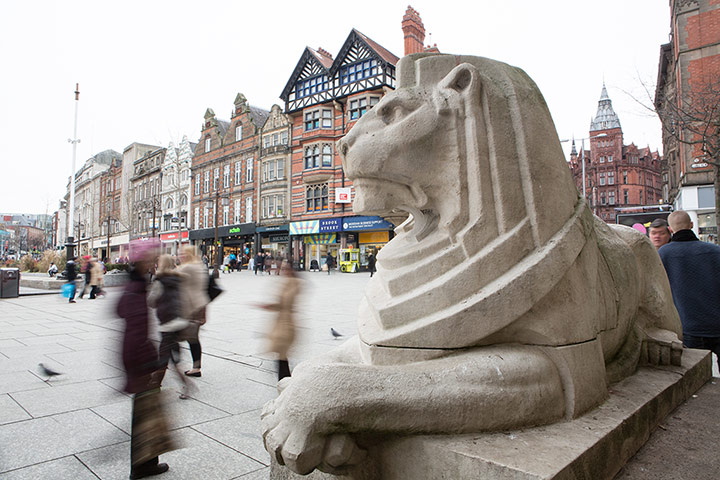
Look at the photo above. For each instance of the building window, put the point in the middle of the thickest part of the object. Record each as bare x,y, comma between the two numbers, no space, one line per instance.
197,184
359,106
273,206
206,181
610,158
601,177
284,138
237,210
358,71
207,144
327,156
169,205
183,200
249,170
312,157
267,141
602,159
316,197
602,198
624,177
318,119
611,178
280,165
238,133
226,215
248,209
625,197
611,198
196,223
238,173
216,178
311,86
226,176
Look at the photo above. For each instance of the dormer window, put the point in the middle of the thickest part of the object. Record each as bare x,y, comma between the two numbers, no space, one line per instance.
311,86
207,144
238,133
358,71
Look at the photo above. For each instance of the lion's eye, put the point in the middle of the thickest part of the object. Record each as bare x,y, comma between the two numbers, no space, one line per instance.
391,113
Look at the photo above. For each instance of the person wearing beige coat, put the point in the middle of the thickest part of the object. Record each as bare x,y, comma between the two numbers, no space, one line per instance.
282,333
96,279
194,300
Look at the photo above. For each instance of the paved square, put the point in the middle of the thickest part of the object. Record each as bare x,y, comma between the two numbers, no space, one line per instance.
76,425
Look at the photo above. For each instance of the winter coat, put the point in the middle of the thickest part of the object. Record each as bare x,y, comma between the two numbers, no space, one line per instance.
139,355
371,263
96,274
165,296
282,334
193,294
71,272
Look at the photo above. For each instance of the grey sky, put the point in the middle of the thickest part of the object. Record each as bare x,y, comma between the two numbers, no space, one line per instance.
149,69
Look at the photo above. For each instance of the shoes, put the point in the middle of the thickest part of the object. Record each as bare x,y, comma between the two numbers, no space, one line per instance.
190,373
72,301
148,472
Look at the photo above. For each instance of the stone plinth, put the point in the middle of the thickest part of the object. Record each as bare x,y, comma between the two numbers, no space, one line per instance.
594,446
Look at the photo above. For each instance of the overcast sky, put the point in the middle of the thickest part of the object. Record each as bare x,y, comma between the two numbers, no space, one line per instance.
149,69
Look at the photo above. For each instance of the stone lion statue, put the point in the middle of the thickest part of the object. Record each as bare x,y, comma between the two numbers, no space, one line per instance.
502,302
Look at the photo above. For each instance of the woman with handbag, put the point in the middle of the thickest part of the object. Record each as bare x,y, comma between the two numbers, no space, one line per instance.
194,299
149,432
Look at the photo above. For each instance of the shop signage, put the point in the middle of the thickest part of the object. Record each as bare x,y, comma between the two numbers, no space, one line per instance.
166,237
366,223
330,225
699,165
342,195
278,238
272,228
305,227
321,239
712,230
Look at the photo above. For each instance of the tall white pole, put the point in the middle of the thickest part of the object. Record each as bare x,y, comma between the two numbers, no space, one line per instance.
74,141
582,157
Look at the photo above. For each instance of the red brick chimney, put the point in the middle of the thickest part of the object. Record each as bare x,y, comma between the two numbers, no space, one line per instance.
324,53
413,31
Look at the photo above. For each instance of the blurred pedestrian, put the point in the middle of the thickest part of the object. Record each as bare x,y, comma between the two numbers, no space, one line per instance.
194,299
149,432
96,279
87,270
282,333
259,262
165,297
330,262
371,264
70,268
659,232
267,263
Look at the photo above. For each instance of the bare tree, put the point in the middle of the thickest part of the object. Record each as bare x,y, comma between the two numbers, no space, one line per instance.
693,120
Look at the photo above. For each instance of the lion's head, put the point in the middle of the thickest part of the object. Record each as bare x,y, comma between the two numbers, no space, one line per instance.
467,146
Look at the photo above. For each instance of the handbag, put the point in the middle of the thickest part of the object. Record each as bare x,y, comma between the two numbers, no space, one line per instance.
68,290
213,290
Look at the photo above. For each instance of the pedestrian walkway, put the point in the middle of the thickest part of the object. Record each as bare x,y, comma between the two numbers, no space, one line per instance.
76,425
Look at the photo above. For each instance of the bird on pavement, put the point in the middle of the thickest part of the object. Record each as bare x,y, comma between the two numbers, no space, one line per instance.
335,333
48,371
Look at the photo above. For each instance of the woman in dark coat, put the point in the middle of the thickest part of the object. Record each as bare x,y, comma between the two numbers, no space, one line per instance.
371,264
149,435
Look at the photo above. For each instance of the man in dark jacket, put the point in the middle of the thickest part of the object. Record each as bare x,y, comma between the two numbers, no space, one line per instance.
693,268
71,276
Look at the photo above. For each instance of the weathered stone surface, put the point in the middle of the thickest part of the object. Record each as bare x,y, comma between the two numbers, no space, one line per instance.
594,446
501,302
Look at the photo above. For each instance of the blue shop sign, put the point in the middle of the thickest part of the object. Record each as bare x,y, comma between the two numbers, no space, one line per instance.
366,223
330,225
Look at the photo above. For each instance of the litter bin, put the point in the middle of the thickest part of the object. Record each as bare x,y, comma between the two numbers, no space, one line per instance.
9,282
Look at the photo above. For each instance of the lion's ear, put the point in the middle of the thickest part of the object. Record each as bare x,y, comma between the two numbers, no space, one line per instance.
460,83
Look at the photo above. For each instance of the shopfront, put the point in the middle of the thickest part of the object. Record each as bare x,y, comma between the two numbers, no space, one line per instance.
274,239
370,234
236,239
171,242
118,247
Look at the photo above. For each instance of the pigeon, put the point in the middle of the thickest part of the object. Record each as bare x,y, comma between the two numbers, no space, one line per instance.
335,333
47,371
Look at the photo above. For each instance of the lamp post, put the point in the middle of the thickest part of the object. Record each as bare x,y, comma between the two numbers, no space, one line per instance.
70,245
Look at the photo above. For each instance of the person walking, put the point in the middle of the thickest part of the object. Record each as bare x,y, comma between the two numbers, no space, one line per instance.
87,269
165,297
267,263
71,277
282,333
259,261
96,277
693,269
330,262
149,432
371,264
194,299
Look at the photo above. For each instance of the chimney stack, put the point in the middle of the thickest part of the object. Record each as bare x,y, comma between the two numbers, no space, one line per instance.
413,31
324,53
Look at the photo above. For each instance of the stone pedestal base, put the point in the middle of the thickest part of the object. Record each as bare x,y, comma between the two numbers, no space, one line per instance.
594,446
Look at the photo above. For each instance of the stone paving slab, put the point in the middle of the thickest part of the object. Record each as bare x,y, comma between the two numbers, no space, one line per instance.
67,468
38,440
65,398
10,411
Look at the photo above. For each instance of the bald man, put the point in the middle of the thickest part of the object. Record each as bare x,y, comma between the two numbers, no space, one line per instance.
693,268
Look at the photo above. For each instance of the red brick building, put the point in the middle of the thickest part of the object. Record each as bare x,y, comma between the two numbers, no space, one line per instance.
617,176
110,221
688,72
324,97
224,171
